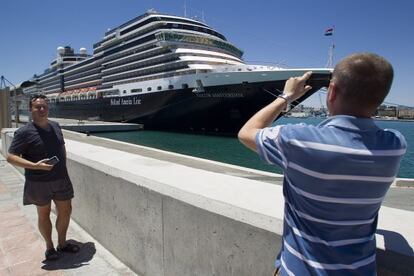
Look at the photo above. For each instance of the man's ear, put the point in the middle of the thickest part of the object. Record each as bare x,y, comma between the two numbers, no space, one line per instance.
332,92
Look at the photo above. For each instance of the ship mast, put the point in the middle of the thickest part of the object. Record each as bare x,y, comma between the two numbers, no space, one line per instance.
329,63
330,32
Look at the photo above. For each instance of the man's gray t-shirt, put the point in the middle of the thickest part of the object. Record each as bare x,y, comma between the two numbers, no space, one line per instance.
34,143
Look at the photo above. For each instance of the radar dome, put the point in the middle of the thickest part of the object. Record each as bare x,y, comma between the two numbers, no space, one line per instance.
61,50
82,51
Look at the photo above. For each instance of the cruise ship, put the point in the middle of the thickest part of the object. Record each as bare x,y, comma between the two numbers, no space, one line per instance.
165,72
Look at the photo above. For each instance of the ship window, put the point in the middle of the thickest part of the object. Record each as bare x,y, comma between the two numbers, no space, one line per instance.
136,90
170,86
124,91
184,85
159,87
149,89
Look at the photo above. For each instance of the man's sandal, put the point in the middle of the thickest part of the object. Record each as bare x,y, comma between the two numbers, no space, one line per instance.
68,248
51,254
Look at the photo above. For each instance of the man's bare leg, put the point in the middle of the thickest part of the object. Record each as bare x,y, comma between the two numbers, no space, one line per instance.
44,224
63,210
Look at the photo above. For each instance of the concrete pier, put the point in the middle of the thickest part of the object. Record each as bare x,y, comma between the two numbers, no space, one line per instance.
85,126
162,213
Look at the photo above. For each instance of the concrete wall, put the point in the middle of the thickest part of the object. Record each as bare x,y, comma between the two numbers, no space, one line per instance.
162,218
6,139
155,234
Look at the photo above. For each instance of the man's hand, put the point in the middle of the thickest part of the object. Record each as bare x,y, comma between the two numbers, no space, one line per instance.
21,162
296,87
41,165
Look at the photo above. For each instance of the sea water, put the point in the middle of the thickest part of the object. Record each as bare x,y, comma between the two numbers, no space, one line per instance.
229,150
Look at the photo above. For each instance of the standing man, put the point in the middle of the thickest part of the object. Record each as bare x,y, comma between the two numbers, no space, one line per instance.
336,174
32,147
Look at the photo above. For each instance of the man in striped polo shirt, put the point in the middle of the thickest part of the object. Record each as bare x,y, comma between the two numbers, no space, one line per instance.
336,174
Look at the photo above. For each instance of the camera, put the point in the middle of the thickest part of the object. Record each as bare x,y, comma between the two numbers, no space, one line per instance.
318,79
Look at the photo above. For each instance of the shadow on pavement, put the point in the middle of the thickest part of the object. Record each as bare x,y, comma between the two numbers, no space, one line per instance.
72,260
396,242
397,258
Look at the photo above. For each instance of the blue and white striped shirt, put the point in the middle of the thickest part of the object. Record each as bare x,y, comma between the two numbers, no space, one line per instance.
336,175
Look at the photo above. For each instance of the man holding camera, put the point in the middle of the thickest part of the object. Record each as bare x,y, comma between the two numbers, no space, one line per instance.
336,174
39,148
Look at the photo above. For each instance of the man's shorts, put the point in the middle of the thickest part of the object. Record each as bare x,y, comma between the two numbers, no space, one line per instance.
41,193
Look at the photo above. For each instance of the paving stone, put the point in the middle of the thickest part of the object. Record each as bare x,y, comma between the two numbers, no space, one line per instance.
5,272
15,231
20,241
31,252
31,268
3,261
6,208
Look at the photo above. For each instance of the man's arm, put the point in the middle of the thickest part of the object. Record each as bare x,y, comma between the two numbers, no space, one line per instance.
21,162
294,89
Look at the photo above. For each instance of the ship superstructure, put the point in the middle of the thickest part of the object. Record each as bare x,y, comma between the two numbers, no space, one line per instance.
163,71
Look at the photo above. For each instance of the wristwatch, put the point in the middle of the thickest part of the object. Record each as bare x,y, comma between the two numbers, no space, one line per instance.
287,98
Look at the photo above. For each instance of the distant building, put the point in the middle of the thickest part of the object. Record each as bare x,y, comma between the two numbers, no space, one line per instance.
386,111
299,114
405,113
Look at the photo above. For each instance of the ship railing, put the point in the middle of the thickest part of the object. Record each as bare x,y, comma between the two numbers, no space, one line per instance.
198,39
244,68
178,72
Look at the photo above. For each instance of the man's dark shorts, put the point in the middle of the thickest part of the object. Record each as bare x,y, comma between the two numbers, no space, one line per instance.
41,193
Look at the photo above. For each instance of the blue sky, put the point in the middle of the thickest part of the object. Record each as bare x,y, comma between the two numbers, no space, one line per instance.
286,32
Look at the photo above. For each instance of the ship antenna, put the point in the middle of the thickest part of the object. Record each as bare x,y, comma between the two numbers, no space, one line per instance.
185,8
330,32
